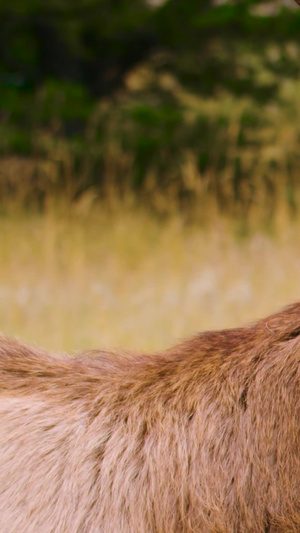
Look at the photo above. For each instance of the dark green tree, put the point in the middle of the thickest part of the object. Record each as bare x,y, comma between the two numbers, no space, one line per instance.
96,42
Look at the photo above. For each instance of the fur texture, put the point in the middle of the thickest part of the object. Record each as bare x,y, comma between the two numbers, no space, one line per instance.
203,438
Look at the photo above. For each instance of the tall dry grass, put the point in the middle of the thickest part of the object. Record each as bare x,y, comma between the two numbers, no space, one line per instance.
184,153
79,279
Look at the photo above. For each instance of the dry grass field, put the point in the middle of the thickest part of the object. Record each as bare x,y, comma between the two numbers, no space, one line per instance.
70,281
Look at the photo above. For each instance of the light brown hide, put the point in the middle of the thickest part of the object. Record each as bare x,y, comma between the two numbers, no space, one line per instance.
202,438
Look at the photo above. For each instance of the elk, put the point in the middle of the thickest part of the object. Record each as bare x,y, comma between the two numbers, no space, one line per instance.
202,438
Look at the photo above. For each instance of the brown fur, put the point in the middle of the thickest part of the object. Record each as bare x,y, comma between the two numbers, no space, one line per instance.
202,438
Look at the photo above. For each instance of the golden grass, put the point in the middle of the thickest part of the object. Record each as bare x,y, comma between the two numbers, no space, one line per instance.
69,282
235,153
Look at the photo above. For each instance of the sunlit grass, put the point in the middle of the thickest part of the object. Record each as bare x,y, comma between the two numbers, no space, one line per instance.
69,282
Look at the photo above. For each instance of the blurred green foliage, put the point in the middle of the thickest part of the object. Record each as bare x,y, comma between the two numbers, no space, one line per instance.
185,97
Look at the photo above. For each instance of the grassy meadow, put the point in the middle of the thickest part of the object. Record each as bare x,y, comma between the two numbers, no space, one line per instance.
181,211
72,279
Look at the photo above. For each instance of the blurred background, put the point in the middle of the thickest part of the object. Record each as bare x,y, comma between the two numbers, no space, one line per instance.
149,168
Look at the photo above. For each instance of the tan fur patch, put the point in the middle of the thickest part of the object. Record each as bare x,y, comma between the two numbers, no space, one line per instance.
204,437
